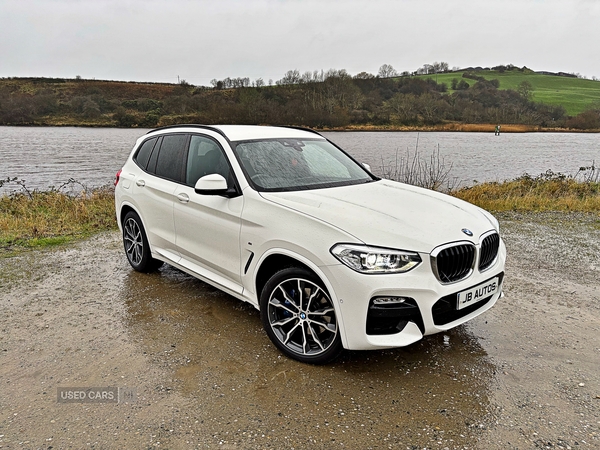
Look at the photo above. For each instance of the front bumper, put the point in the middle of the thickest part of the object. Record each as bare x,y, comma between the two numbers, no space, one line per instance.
432,306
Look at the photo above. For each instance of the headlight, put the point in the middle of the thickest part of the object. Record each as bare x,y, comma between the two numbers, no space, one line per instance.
365,259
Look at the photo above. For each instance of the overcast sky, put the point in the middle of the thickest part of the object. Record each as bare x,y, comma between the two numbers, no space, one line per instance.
159,40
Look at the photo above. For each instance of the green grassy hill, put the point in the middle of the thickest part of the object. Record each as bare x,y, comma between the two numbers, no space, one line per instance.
574,94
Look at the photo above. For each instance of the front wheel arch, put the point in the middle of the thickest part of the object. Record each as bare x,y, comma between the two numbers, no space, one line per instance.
272,264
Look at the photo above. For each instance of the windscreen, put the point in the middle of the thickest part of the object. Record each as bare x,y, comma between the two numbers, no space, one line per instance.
297,164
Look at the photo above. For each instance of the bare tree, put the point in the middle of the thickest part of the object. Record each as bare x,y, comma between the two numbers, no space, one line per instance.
436,67
307,77
290,77
403,107
364,76
439,67
387,71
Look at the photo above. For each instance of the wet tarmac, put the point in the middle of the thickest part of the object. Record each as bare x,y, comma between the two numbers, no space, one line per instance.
524,375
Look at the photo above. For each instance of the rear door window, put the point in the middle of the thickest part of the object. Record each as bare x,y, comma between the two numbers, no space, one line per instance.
172,157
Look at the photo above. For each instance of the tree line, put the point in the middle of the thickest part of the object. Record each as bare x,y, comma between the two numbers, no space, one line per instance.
331,99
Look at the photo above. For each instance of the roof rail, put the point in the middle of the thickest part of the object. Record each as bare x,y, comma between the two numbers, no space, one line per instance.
217,130
191,125
310,130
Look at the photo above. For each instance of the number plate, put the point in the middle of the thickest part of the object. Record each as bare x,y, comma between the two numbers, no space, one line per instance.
477,293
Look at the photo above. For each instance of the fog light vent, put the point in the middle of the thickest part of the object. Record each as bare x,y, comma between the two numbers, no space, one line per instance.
389,315
384,301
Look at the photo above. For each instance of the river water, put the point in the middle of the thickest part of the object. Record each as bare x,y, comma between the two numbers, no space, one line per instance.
50,156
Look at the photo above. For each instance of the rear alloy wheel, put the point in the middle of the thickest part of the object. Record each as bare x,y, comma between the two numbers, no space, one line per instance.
136,244
299,317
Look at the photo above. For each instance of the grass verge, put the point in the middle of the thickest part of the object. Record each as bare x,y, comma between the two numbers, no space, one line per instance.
41,219
546,192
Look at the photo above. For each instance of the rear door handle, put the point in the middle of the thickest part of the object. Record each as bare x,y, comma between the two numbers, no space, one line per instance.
183,198
140,183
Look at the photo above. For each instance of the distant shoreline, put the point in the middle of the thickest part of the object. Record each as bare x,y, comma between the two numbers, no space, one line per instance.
445,127
463,128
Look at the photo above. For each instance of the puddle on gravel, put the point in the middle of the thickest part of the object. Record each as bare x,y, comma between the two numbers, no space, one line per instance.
218,357
522,375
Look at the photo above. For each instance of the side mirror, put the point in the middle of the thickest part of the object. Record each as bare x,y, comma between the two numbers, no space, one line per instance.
366,166
214,184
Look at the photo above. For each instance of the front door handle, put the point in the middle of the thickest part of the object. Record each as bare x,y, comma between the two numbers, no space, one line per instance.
183,198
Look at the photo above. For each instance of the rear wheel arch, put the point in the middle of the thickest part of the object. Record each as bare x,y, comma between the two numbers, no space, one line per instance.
124,210
127,208
135,242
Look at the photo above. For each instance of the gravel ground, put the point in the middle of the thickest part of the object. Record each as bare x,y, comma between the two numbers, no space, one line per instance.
524,375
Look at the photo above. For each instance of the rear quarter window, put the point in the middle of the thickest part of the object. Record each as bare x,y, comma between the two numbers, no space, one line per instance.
142,156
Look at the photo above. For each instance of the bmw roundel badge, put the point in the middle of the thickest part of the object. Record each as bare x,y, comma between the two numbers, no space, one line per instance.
467,232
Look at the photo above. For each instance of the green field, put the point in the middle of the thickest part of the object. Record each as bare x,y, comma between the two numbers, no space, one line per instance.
574,94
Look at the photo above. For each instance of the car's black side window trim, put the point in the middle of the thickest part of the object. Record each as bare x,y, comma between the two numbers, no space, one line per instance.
152,161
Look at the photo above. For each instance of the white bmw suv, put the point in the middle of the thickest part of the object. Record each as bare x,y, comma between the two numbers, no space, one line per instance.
331,255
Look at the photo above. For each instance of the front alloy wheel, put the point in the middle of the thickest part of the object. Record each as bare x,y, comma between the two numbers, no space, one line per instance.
299,316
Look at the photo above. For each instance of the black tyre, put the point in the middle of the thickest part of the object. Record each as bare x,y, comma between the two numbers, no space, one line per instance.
299,317
136,244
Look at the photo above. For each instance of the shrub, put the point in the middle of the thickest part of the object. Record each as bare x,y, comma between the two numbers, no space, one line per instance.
587,120
123,118
412,168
